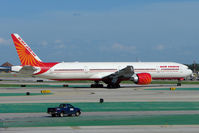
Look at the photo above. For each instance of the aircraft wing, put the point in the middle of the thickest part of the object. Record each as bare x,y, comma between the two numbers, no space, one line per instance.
124,73
27,70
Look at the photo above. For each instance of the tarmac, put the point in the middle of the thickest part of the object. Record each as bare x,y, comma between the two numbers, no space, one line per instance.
134,95
106,129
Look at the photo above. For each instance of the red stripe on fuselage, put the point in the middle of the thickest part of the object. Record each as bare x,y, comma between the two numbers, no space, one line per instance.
45,67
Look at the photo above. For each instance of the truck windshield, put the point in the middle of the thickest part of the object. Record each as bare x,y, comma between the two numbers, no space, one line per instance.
62,105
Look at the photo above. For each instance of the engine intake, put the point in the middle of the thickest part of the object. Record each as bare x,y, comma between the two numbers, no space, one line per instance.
142,78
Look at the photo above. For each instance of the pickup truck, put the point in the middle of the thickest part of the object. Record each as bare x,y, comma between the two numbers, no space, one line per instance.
64,110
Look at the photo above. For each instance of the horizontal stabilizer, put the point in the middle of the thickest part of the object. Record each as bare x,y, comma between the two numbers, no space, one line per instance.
5,68
27,70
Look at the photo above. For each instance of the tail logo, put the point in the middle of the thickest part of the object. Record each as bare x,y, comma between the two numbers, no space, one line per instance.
26,55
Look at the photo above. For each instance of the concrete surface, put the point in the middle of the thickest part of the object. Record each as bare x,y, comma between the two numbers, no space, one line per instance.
128,93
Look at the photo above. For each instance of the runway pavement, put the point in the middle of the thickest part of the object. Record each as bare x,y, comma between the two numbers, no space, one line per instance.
125,94
106,129
6,116
128,93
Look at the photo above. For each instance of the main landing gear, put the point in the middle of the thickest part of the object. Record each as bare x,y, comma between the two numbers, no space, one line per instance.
113,86
110,85
97,85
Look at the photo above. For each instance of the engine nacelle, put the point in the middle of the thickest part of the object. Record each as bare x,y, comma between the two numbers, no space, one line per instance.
142,78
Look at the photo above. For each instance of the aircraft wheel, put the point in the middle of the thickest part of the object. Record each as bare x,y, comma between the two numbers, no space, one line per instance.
109,86
118,86
101,85
97,85
92,86
178,84
113,86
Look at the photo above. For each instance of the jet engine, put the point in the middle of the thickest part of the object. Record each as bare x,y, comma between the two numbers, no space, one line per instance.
141,78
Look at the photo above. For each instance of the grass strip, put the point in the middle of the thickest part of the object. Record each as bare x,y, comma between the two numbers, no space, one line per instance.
23,94
106,106
185,89
43,86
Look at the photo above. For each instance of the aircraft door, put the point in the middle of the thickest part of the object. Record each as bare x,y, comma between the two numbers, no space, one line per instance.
86,69
180,69
158,69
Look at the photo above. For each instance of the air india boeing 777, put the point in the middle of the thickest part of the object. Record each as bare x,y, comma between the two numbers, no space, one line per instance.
111,73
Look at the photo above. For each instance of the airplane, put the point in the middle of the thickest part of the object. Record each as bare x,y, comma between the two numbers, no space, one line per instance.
111,73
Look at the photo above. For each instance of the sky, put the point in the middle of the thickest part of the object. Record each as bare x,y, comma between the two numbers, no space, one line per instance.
102,30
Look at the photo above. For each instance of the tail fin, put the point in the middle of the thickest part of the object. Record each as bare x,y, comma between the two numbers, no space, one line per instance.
26,55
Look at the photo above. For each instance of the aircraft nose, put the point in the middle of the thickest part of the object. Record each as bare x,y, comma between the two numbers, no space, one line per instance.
189,72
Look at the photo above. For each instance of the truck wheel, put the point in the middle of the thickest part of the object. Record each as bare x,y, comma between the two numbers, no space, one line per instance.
77,113
61,114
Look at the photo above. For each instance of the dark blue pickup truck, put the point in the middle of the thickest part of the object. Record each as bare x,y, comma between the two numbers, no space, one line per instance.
64,110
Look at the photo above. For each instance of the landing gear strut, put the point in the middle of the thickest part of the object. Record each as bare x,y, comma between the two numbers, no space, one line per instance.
97,85
179,83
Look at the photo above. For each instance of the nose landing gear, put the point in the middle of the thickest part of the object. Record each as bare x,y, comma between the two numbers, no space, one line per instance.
179,82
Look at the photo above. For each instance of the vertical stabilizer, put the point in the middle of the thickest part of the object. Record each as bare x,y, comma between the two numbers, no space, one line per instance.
26,55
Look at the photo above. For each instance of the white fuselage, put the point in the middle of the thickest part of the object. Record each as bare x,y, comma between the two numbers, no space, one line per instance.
98,70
